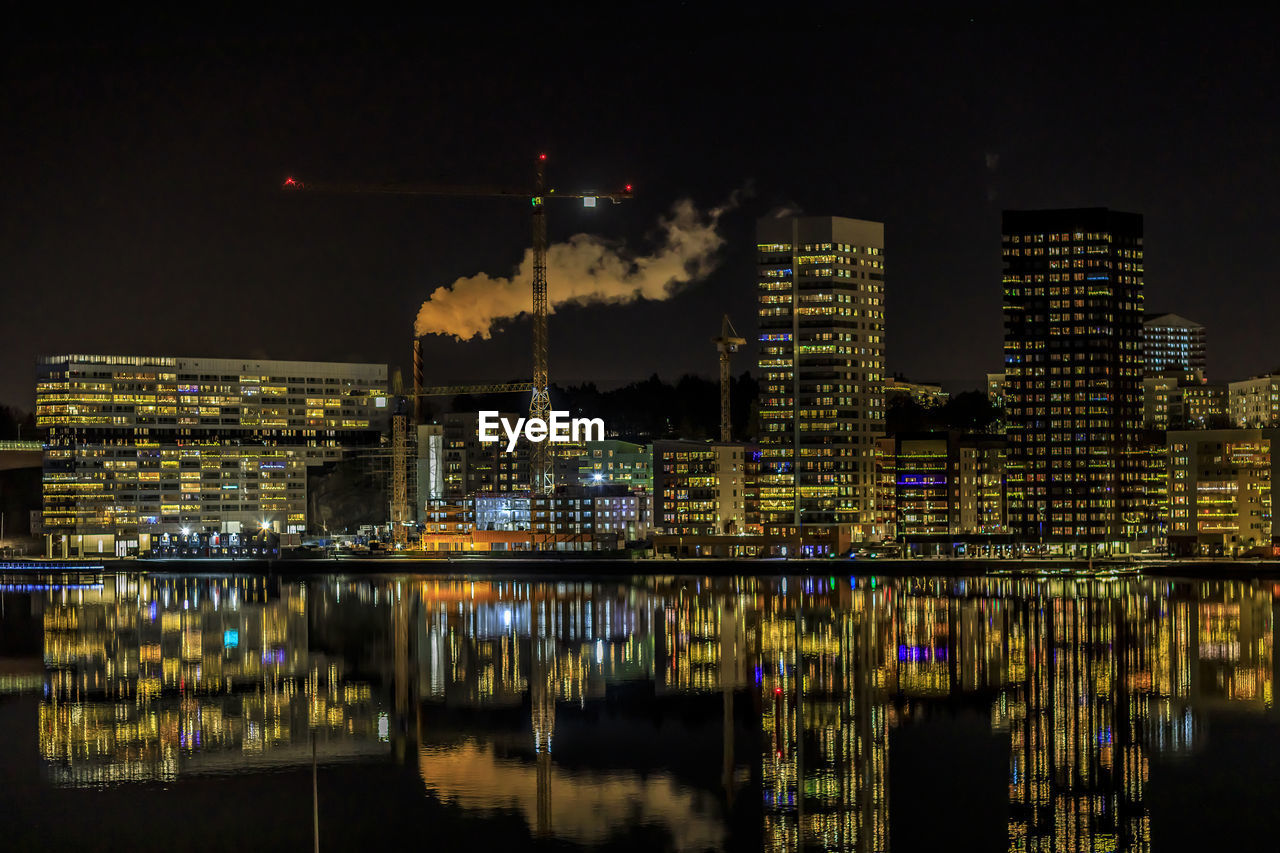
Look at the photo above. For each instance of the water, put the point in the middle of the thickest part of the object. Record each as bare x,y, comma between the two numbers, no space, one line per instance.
155,712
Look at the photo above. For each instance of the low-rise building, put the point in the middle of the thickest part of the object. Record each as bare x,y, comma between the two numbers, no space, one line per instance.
1176,400
886,515
1255,403
611,461
700,487
949,488
1219,490
141,447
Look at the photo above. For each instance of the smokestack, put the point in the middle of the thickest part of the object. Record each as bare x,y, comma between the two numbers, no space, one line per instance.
584,270
417,380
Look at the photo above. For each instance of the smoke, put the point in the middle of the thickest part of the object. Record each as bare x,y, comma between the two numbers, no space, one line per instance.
786,210
584,270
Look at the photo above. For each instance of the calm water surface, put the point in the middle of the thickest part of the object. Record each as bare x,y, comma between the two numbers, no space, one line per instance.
160,712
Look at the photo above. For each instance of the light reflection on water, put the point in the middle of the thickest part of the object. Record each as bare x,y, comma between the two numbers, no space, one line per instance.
691,706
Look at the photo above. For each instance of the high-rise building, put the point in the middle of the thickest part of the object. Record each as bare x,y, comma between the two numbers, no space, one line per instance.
1172,344
821,321
142,448
1073,371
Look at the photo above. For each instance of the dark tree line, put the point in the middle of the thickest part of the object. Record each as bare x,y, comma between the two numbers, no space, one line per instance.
968,411
15,424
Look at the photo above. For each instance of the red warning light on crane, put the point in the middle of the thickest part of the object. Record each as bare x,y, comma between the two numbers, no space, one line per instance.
628,187
542,156
292,182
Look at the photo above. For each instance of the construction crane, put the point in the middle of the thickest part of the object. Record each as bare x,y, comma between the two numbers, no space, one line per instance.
727,343
542,473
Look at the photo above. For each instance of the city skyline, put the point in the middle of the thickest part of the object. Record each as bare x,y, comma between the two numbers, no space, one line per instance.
150,169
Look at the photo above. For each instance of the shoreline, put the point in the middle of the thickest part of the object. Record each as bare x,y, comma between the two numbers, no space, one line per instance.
593,565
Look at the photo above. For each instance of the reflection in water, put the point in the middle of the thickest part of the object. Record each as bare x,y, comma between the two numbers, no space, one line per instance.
591,707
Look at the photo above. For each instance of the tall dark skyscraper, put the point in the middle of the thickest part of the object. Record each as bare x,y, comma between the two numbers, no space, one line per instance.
1073,366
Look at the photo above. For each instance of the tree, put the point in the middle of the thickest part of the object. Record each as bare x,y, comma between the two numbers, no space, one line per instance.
969,411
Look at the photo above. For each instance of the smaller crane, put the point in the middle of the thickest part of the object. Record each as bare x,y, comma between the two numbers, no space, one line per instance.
728,342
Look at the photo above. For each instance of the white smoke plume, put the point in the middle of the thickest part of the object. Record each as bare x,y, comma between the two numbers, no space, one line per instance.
582,271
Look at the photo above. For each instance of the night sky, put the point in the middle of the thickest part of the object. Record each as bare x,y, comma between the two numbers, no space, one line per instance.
142,162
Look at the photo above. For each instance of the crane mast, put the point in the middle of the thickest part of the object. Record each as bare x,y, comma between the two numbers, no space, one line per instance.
728,342
541,472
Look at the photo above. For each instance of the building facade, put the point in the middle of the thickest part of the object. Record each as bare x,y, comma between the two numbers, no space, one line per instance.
1172,344
886,488
587,518
700,488
1174,400
950,485
1073,308
1255,403
139,448
471,465
995,389
1219,491
610,461
821,359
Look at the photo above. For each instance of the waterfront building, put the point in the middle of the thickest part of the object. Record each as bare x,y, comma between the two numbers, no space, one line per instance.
1151,459
1172,344
1255,403
886,488
949,486
700,487
1073,307
587,518
140,448
1219,490
822,335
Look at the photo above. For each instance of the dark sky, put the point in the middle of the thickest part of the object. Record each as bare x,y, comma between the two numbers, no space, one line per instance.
141,165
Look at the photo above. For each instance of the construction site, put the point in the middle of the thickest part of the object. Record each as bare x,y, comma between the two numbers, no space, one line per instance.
446,491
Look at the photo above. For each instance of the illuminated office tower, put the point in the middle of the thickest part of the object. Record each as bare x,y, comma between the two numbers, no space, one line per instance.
821,322
1172,344
1073,372
138,447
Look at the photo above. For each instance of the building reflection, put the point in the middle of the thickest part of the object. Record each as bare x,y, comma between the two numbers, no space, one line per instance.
588,707
151,678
